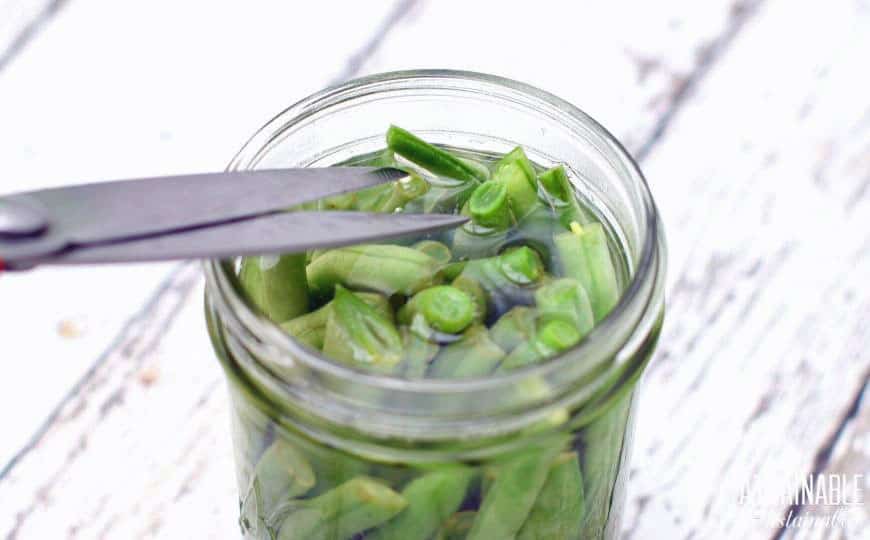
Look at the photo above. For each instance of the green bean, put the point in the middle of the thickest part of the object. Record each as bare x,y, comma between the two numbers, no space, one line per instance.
518,157
556,183
457,526
521,266
282,473
489,207
387,269
444,308
560,192
474,290
276,285
474,355
390,197
558,510
507,278
553,337
604,440
353,507
310,328
443,198
432,499
432,158
437,250
472,242
452,270
585,256
512,494
514,327
343,201
566,297
417,353
333,467
516,173
358,335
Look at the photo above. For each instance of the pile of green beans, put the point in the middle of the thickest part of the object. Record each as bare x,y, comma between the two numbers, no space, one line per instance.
527,278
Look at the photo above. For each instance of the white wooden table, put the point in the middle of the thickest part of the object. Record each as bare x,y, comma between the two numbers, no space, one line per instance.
751,120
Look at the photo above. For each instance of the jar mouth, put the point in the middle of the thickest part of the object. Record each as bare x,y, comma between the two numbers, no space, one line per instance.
619,334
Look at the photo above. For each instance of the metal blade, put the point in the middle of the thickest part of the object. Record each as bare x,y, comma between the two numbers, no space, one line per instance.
109,211
278,233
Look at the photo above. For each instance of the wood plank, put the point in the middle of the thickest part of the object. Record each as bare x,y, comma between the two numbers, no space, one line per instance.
725,279
762,180
113,90
625,63
20,22
850,461
138,433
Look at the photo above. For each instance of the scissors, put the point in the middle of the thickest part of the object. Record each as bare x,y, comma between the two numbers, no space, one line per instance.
199,216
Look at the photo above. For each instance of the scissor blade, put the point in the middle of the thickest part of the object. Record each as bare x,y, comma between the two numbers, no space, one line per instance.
277,233
110,211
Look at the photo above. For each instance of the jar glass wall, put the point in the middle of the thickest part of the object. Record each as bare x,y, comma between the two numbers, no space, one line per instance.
325,451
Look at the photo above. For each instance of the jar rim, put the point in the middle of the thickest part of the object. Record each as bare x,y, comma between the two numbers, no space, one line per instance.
643,290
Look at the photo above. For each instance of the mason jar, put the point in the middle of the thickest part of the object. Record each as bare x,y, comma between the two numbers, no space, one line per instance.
304,426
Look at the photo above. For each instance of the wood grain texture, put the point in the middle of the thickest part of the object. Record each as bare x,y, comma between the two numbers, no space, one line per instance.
850,459
126,89
759,165
762,182
137,434
20,22
626,63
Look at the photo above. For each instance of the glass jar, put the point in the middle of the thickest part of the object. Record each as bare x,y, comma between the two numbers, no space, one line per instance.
316,442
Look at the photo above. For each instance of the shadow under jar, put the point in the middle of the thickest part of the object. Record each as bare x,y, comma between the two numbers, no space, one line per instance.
325,451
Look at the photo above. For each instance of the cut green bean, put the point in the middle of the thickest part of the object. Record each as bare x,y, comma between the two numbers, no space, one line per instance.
432,499
475,355
432,158
310,328
515,327
512,494
437,250
585,256
445,309
333,467
353,507
558,510
452,270
343,201
473,242
518,176
566,297
357,334
518,157
556,183
282,473
276,284
457,526
521,265
474,290
560,192
553,337
508,279
388,269
417,353
604,440
390,197
489,207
